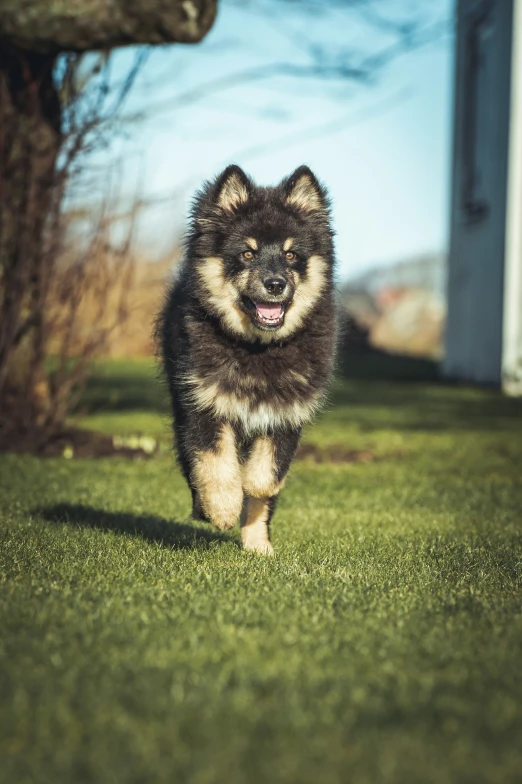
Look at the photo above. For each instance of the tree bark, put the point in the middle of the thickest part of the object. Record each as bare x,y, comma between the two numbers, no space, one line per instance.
79,25
29,144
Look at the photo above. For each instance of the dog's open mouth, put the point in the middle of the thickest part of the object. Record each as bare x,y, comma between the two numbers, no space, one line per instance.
268,315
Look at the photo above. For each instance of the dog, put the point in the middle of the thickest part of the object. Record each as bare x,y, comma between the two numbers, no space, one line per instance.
247,336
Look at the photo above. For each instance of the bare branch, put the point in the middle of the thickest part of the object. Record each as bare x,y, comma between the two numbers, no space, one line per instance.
326,63
345,121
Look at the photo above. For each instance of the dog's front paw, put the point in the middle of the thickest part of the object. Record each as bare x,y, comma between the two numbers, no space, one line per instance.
262,548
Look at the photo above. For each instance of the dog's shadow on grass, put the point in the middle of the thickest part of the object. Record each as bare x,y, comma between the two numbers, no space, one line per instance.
168,533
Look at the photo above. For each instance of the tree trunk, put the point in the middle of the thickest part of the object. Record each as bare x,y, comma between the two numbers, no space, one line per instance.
29,145
80,25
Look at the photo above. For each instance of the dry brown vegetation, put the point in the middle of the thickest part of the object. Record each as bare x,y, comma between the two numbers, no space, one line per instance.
71,288
131,301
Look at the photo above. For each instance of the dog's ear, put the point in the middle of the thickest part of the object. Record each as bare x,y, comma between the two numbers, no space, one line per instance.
233,188
303,190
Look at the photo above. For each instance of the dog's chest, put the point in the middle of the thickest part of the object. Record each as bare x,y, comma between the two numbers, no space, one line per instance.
259,391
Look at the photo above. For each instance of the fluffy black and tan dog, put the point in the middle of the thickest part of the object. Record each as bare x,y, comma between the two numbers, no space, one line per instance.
247,336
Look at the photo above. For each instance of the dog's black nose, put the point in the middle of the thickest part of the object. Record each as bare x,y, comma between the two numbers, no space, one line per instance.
275,285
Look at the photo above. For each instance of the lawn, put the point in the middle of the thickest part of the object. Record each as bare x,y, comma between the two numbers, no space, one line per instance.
383,643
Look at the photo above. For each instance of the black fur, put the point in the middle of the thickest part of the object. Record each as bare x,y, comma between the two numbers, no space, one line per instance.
224,344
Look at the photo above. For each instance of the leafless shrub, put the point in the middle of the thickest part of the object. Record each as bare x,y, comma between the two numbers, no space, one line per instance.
81,260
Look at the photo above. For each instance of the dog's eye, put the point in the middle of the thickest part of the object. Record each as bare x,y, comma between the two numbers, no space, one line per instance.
289,256
247,254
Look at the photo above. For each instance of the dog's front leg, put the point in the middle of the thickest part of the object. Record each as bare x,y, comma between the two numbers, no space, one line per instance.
263,476
216,476
255,524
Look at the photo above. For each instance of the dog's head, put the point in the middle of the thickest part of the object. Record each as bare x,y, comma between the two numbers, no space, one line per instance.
261,258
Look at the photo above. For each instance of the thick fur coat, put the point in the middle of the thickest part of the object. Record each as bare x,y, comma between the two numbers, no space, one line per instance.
247,336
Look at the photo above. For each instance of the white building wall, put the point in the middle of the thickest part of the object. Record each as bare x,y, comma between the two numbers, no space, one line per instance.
474,330
512,327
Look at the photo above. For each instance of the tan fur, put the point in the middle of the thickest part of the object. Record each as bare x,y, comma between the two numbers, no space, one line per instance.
211,273
259,471
254,530
236,407
304,195
217,477
298,377
232,194
307,293
249,383
288,243
252,243
242,279
222,295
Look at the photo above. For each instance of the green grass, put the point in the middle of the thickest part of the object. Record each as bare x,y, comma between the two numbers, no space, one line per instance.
382,644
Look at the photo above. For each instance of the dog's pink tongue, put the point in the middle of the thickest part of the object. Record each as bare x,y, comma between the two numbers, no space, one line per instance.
270,311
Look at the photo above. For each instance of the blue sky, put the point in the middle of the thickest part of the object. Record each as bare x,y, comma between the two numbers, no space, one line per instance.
382,149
